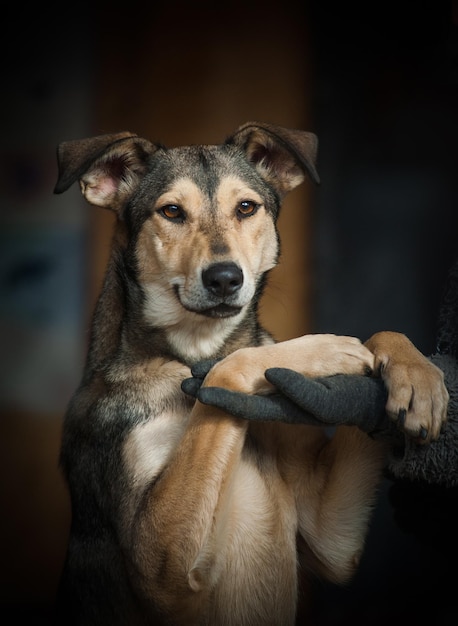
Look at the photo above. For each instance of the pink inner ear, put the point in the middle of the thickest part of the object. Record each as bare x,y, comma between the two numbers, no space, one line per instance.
276,161
272,158
259,153
105,187
99,189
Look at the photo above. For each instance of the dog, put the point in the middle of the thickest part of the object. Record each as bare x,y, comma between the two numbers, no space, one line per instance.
181,513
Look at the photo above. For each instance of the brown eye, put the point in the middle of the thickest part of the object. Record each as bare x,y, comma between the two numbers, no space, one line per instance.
172,212
247,208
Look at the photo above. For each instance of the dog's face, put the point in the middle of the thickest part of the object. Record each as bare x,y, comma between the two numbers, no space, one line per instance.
207,234
200,221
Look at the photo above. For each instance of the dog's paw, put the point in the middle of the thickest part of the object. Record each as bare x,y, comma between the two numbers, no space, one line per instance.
328,354
417,398
324,355
417,395
310,355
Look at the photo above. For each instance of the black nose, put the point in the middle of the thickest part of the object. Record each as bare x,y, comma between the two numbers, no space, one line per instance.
222,279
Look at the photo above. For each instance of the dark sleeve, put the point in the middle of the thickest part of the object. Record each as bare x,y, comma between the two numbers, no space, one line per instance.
437,463
447,335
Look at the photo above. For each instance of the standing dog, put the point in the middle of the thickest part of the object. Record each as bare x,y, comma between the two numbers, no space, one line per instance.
182,514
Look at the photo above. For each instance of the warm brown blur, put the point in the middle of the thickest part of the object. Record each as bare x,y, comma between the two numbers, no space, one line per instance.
183,78
177,73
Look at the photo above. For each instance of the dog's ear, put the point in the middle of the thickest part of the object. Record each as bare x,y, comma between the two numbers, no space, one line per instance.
281,155
108,167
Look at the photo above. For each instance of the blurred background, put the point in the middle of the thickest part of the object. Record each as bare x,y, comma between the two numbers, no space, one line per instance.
367,250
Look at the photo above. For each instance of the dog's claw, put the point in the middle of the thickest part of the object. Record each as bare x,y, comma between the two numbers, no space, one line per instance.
401,418
423,433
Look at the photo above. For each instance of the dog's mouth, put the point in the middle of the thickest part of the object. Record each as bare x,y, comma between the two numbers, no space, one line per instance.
220,310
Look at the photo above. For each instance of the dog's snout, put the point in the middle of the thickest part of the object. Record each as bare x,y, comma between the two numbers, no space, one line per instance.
222,279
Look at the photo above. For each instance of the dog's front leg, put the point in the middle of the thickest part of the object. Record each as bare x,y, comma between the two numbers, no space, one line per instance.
335,501
182,520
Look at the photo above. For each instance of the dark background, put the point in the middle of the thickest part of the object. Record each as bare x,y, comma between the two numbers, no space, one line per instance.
378,83
385,235
386,216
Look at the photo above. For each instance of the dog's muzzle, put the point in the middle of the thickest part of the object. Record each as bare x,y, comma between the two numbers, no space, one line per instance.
222,281
219,291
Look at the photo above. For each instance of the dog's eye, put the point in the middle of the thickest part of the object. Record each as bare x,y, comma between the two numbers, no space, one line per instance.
172,212
247,208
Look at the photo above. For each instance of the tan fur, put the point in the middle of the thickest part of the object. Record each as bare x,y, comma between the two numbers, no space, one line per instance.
412,381
199,518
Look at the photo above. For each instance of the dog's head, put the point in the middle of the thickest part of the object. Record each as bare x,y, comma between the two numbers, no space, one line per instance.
199,222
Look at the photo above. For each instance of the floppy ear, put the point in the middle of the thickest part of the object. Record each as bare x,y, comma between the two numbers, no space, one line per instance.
108,167
281,155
